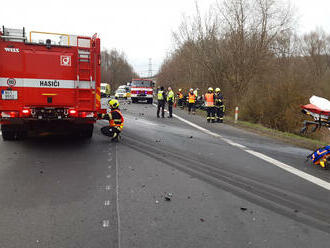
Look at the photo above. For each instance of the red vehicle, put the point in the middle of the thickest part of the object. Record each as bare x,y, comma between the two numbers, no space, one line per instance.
46,86
142,90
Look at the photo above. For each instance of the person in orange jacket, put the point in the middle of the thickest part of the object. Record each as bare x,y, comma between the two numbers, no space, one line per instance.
191,99
209,103
180,98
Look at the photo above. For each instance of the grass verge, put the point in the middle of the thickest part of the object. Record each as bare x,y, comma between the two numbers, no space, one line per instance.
290,138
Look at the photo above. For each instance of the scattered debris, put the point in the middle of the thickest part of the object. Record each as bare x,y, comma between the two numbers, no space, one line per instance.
156,201
296,211
41,172
243,209
143,186
202,220
191,137
157,141
188,197
168,196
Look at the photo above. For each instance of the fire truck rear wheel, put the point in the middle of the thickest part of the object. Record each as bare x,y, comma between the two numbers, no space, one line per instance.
86,131
11,132
8,135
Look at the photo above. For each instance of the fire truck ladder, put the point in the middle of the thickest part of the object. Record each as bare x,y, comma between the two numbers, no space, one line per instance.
84,68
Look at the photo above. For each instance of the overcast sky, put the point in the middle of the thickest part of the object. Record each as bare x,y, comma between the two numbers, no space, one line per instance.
140,28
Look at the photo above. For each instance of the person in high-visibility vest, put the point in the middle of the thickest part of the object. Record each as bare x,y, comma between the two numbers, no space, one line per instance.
191,102
209,103
170,101
161,101
116,121
196,92
180,98
219,106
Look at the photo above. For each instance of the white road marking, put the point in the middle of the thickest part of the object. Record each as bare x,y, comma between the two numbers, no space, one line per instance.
106,223
107,187
109,167
286,167
107,203
117,200
109,176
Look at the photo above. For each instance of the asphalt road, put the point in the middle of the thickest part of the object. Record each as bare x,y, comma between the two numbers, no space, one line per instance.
56,191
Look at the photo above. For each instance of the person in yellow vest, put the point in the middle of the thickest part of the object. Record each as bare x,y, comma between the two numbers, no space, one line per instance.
219,106
191,102
161,101
209,103
180,98
196,92
170,101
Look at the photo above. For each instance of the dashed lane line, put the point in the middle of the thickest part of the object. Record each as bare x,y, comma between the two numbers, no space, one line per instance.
117,199
315,180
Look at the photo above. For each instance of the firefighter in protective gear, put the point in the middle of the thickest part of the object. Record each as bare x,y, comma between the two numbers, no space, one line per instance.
116,121
170,101
219,106
180,98
161,101
209,103
191,102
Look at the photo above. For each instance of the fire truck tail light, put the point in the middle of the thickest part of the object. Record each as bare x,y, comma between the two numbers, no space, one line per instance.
26,112
10,114
73,112
86,114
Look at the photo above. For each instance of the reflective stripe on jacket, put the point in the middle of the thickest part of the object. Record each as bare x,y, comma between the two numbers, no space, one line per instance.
160,95
209,99
191,98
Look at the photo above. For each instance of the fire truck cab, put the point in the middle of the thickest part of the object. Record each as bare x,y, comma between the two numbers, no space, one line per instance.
48,84
142,90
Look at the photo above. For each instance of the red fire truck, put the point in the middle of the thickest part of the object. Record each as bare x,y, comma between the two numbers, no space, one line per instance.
142,90
48,85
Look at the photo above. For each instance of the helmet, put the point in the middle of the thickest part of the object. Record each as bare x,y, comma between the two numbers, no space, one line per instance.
210,89
191,89
180,90
113,103
217,90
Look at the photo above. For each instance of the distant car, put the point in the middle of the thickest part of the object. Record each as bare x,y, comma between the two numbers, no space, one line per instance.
121,94
127,89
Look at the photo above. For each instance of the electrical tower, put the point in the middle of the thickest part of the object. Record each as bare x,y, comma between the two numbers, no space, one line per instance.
150,68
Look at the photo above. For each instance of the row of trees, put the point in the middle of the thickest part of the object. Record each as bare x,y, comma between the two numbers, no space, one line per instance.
249,48
115,68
